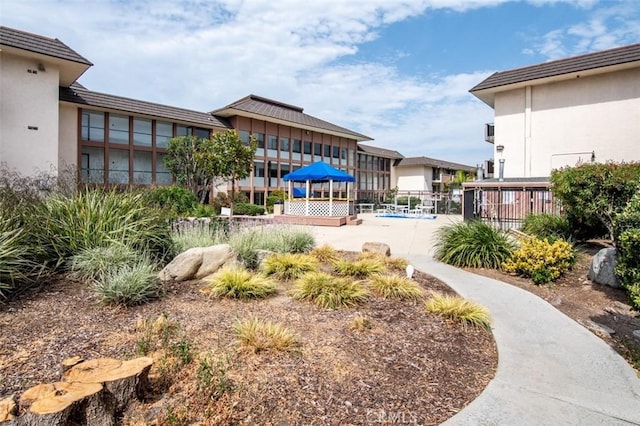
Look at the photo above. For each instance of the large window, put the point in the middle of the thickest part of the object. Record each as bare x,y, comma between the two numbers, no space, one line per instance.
92,165
272,146
284,148
258,173
142,167
260,138
163,175
317,151
307,150
296,149
141,132
244,136
202,133
183,130
164,132
119,129
119,166
92,126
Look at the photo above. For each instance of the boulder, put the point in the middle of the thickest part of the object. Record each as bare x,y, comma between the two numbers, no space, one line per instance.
380,248
603,265
197,263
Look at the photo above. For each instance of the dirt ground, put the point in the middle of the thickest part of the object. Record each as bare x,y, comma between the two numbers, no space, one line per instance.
592,305
411,366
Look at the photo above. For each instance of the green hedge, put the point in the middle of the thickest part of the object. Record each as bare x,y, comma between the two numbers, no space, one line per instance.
247,209
627,226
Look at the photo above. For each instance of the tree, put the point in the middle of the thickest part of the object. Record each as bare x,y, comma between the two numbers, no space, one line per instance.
193,161
233,158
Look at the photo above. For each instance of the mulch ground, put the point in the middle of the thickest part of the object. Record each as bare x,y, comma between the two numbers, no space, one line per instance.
411,366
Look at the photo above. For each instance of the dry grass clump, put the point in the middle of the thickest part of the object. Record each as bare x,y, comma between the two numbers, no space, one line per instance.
325,253
258,336
239,283
459,309
360,323
327,291
363,268
288,266
396,287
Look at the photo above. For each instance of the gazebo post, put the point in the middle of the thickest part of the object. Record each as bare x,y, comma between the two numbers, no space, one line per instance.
331,197
306,204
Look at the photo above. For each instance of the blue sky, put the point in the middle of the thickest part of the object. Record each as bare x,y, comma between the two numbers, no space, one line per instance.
397,71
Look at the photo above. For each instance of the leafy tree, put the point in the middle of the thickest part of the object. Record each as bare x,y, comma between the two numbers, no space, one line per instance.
193,161
233,158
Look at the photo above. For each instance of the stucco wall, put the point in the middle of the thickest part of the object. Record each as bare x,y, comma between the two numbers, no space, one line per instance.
568,121
28,99
68,136
413,178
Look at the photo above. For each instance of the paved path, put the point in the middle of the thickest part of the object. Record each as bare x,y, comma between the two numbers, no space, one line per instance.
551,370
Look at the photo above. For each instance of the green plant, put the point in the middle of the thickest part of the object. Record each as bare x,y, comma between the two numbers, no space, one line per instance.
459,309
239,283
627,225
177,200
212,376
94,262
289,265
16,267
277,196
131,284
547,226
393,263
593,194
203,210
182,350
395,287
247,209
196,236
64,226
472,244
325,253
411,202
327,291
360,323
541,260
360,269
261,336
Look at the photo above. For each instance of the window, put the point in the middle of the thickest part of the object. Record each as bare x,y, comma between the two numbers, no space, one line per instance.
164,132
244,136
307,147
183,130
142,167
93,126
258,173
336,152
327,152
118,166
273,173
297,145
272,146
163,175
92,166
317,151
260,138
141,132
202,133
284,148
118,129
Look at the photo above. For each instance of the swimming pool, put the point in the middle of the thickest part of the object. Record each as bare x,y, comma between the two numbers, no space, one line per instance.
408,216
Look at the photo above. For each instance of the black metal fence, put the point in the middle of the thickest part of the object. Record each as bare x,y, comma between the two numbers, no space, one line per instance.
506,207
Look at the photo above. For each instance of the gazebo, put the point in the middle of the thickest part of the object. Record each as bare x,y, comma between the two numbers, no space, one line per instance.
318,172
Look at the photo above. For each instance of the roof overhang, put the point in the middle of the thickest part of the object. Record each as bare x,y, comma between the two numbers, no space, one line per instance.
231,112
488,95
70,71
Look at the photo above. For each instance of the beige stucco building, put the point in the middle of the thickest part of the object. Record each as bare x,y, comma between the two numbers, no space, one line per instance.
580,109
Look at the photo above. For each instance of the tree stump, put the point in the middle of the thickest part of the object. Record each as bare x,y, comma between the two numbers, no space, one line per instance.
7,409
69,362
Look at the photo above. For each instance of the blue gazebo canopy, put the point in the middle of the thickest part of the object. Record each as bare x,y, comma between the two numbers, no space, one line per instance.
319,172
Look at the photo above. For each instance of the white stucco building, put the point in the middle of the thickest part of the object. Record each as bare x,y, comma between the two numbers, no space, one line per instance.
580,109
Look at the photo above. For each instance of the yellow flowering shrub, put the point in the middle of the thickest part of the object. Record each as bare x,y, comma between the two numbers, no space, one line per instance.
541,260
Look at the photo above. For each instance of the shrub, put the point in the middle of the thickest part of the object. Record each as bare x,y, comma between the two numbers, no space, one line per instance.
16,267
279,239
547,226
64,226
196,236
238,283
176,200
325,253
327,291
627,225
247,209
459,309
360,269
261,336
277,196
593,194
131,284
541,260
360,323
94,263
393,263
395,287
473,244
289,265
212,376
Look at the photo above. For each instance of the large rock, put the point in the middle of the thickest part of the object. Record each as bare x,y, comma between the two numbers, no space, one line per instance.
380,248
198,262
603,265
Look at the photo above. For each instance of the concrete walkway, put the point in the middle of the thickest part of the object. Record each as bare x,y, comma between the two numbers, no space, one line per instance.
551,370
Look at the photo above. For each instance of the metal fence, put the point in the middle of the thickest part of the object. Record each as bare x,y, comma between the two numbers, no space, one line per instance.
506,207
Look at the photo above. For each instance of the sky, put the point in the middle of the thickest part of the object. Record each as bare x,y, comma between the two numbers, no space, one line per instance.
398,71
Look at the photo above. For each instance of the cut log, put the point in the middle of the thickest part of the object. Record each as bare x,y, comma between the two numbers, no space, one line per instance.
70,362
7,409
58,403
124,381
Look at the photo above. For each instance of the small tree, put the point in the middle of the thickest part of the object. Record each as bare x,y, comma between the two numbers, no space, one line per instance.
233,158
193,162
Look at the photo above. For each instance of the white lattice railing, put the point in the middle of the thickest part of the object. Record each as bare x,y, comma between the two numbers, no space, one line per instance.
317,207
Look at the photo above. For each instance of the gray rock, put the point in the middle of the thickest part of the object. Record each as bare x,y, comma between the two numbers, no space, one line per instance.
598,328
380,248
556,301
603,265
261,256
636,333
197,263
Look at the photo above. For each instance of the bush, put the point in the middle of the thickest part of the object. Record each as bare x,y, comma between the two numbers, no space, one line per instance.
289,265
177,200
94,263
277,196
247,209
473,244
238,283
279,239
17,270
627,225
360,269
593,194
325,253
265,336
327,291
196,236
131,284
547,226
541,260
392,263
411,202
64,226
395,287
459,309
